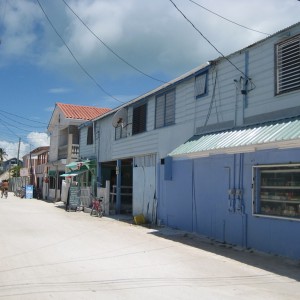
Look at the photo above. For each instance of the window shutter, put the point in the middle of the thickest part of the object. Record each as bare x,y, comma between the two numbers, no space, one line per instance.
90,139
160,111
118,132
139,119
288,65
200,85
170,108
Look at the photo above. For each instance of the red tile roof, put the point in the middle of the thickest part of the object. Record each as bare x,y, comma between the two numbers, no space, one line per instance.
81,112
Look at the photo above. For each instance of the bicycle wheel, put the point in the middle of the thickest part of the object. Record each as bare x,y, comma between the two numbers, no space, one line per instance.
91,213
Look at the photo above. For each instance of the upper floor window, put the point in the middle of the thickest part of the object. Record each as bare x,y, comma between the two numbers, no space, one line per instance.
139,119
120,132
288,65
201,84
90,136
165,109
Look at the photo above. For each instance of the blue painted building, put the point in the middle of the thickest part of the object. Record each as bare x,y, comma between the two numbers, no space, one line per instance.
237,179
215,151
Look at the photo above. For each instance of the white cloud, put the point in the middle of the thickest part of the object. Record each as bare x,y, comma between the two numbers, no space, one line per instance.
151,35
59,90
19,36
37,139
12,149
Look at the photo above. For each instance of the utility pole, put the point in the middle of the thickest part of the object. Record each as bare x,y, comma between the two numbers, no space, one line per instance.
18,151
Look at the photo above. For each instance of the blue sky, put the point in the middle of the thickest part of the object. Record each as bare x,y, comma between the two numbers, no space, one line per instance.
37,70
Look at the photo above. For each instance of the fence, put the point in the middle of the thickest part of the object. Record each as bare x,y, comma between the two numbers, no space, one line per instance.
17,182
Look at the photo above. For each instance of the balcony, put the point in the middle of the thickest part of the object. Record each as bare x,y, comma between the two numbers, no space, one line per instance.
70,152
40,169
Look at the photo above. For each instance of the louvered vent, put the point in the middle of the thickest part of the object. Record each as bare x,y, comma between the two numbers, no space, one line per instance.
288,65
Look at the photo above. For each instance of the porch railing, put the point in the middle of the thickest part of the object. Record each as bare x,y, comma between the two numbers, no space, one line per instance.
68,151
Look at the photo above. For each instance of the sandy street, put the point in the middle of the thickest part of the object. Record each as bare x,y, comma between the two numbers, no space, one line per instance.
48,253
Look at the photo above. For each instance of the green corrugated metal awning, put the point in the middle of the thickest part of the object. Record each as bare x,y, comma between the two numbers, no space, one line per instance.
73,173
85,163
284,134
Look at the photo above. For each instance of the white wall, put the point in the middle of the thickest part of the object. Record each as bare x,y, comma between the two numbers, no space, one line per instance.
53,149
143,198
225,103
86,151
162,140
105,134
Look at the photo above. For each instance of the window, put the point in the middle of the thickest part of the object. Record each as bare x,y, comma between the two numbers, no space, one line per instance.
52,182
90,136
288,65
277,191
201,85
139,119
120,132
165,109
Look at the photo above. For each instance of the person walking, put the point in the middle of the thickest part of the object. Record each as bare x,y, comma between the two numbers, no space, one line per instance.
4,188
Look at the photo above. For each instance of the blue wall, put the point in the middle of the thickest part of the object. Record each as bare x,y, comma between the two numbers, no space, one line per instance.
197,199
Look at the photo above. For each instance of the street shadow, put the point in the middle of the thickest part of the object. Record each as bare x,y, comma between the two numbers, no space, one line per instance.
268,262
272,263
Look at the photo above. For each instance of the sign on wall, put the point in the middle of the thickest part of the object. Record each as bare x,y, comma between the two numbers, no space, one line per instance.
29,191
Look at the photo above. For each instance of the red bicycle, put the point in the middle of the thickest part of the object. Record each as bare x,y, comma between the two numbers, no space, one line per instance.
96,206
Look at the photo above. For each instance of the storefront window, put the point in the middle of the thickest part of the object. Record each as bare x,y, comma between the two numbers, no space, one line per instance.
276,190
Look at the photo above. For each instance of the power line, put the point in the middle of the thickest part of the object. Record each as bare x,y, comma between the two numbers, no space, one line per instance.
21,122
22,117
229,19
8,128
4,122
74,57
109,48
209,40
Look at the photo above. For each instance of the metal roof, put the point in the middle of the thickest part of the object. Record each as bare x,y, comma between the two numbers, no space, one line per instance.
284,134
81,112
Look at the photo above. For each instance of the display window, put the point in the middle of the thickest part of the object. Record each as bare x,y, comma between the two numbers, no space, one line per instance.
276,190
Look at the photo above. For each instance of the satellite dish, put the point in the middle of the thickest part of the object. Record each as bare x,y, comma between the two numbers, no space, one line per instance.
120,118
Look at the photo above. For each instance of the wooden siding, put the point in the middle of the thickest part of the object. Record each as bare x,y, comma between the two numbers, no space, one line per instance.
86,151
228,104
53,149
161,140
107,137
224,104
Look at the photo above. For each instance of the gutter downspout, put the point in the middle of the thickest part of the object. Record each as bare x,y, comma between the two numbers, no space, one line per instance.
245,87
118,198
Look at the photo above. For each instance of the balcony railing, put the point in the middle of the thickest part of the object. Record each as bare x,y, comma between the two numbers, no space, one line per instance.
40,169
68,151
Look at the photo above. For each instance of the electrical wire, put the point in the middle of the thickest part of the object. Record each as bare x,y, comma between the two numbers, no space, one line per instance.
229,19
1,114
6,123
22,117
74,57
211,100
109,48
189,21
8,128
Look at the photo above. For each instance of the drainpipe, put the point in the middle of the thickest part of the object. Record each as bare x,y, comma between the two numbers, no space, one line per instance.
118,198
56,182
245,84
99,181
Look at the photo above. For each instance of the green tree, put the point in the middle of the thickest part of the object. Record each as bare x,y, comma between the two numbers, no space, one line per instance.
15,171
2,155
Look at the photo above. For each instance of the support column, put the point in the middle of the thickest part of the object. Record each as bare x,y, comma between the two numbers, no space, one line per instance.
118,198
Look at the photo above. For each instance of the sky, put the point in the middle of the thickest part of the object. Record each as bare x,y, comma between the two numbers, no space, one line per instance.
105,52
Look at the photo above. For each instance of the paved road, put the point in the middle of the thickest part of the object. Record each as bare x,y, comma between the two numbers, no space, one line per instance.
48,253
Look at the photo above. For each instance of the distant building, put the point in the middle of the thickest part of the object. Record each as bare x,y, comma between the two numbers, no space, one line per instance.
64,140
10,163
